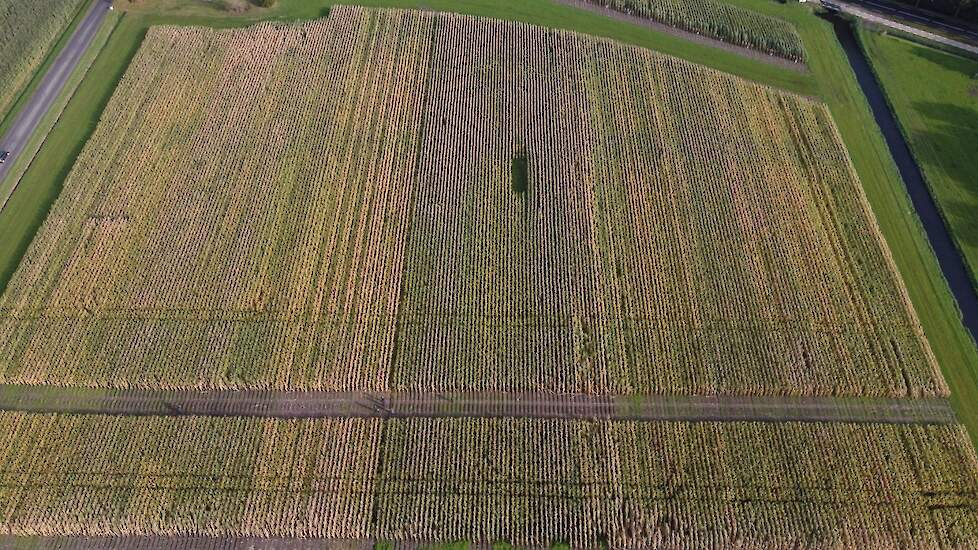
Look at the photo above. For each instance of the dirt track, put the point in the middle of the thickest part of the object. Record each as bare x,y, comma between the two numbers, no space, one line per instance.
281,404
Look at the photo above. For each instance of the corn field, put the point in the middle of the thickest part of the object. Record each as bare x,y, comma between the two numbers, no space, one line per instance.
30,31
755,485
329,206
719,20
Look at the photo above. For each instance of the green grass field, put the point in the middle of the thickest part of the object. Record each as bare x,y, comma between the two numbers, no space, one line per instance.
830,79
935,98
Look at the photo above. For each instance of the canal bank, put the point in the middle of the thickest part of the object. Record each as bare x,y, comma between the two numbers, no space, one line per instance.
938,234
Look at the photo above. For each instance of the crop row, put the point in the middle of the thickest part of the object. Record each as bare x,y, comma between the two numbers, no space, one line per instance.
720,20
528,482
331,206
30,30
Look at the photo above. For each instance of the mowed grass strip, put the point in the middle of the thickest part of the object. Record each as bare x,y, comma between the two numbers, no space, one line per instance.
41,184
20,162
206,238
533,483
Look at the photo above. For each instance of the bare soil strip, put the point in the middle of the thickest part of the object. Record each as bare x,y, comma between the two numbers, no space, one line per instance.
686,35
287,404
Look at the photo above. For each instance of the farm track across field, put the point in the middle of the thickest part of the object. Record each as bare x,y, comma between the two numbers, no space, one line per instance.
292,404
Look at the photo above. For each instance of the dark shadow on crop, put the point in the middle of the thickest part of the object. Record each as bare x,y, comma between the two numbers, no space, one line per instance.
61,170
520,173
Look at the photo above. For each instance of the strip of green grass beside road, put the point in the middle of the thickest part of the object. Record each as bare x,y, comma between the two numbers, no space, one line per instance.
25,156
831,79
26,93
42,182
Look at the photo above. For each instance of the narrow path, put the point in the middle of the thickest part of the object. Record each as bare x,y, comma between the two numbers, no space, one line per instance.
51,85
939,235
685,35
286,404
873,17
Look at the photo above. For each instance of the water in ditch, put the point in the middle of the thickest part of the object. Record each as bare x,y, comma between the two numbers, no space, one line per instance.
951,263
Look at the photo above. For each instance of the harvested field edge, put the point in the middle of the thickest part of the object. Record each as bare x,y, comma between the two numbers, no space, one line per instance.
286,404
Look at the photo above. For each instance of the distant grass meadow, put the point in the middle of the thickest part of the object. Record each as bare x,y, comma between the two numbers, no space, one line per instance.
829,79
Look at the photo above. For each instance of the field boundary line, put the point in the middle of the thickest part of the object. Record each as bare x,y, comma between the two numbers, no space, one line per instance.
316,404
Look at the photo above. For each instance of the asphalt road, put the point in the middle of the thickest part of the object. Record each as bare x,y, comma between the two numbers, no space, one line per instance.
51,84
876,17
286,404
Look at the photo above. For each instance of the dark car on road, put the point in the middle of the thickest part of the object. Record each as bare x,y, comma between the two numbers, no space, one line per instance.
3,156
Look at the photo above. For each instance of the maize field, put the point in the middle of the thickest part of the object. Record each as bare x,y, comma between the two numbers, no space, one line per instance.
30,31
396,201
681,231
719,20
529,482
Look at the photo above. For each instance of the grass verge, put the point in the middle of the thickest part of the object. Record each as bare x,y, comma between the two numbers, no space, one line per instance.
929,292
41,183
24,159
